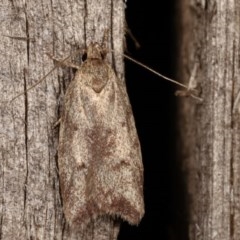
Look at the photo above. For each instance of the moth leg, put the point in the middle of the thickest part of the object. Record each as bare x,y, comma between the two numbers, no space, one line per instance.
64,62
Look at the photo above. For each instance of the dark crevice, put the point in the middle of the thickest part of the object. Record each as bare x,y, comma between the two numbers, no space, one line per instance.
1,224
53,27
85,21
111,34
232,216
3,190
26,108
26,137
28,40
63,229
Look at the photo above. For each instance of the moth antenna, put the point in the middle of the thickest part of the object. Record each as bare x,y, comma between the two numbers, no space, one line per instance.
161,75
34,85
155,72
43,78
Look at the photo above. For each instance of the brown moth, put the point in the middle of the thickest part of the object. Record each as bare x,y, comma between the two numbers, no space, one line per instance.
100,162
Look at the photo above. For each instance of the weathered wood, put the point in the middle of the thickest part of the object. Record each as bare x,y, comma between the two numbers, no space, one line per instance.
30,202
210,143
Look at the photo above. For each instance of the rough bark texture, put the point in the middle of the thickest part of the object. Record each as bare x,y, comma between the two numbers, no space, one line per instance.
30,202
210,142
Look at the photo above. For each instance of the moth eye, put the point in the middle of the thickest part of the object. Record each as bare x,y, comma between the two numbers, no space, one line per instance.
84,57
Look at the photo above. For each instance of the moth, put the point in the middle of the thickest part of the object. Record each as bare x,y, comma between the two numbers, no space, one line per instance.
99,155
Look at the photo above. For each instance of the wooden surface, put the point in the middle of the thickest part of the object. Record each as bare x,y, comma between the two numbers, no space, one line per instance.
30,202
210,142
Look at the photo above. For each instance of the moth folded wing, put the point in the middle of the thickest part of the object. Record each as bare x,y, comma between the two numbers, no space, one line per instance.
72,157
115,179
115,174
100,163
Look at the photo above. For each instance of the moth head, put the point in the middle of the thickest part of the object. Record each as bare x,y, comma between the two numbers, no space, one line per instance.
95,51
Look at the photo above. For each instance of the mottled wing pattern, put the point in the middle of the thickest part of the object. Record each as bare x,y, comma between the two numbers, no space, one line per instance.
100,163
